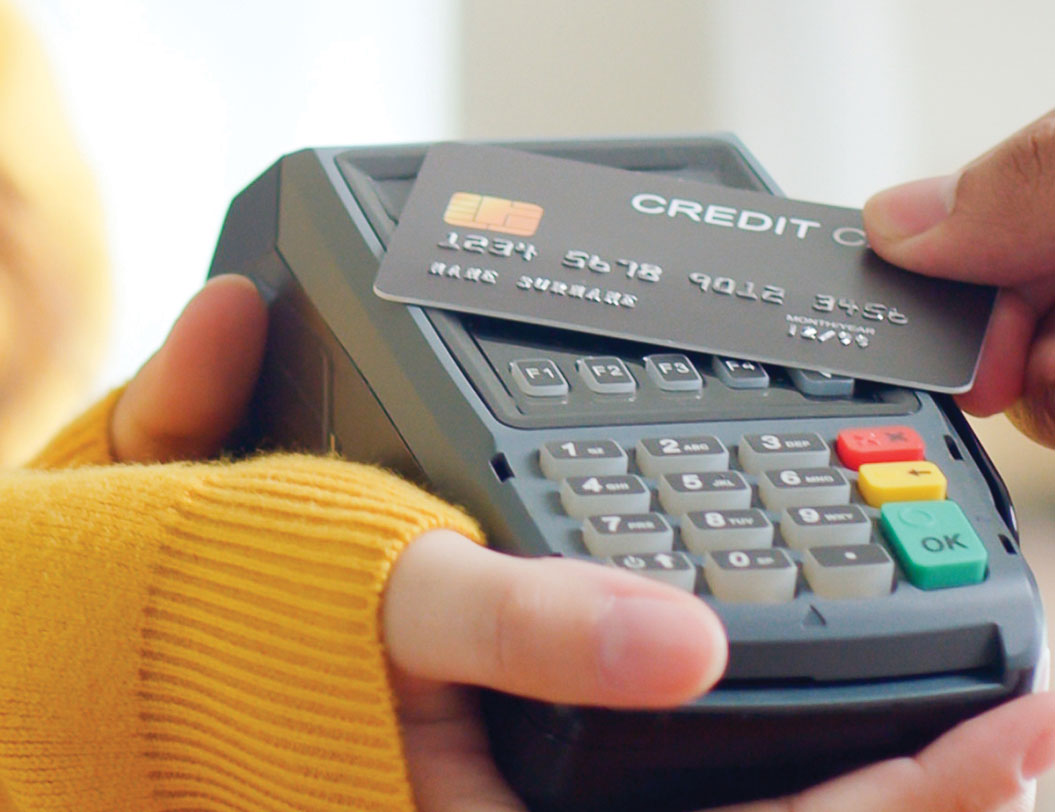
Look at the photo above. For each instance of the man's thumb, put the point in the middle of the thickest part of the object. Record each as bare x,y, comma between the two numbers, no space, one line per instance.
993,222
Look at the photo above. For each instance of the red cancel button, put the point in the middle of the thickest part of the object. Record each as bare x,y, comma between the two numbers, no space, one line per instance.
878,444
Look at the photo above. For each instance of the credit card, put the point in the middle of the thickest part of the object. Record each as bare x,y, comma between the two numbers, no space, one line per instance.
679,264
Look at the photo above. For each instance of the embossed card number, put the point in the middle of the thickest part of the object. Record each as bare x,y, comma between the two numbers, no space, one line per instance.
680,264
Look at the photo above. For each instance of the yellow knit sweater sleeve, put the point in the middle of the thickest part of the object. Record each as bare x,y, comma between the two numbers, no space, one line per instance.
200,636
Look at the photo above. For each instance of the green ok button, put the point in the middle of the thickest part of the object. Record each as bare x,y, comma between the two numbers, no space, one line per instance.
934,542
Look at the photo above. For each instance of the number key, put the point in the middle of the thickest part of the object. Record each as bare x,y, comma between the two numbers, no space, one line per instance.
561,459
706,490
815,526
750,576
621,534
704,530
760,452
796,487
673,455
584,496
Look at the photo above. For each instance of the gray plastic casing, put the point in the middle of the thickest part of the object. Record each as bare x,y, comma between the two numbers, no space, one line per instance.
415,390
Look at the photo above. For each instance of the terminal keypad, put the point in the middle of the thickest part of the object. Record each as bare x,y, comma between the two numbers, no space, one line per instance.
742,524
763,517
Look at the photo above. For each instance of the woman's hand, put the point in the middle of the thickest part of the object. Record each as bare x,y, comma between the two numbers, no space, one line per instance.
456,616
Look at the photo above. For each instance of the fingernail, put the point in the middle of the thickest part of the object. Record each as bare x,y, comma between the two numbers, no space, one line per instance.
1040,757
655,648
910,209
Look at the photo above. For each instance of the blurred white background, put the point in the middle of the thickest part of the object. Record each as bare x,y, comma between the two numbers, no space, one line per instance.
179,105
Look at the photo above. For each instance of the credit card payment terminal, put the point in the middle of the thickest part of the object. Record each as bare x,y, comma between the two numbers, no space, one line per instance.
853,536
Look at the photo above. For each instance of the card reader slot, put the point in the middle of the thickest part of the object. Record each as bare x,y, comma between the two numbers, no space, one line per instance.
925,653
383,179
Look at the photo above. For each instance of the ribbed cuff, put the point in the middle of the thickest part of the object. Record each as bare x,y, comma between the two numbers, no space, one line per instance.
205,635
263,633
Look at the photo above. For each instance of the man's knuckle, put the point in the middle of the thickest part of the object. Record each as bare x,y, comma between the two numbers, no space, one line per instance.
1031,154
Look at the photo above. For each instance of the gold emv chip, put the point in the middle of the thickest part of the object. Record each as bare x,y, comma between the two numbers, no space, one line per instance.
493,214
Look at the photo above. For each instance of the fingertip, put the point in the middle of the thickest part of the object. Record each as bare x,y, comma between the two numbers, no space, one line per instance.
1034,412
1001,373
659,650
191,394
990,223
1040,757
900,212
552,629
209,363
987,762
641,643
1027,727
229,307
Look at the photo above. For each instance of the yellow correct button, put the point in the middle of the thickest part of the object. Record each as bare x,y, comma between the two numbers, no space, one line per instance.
881,482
